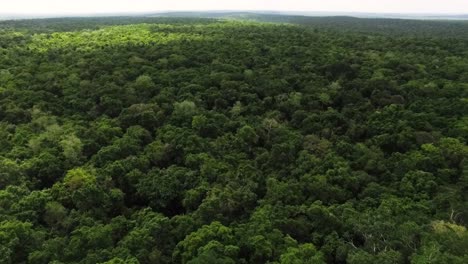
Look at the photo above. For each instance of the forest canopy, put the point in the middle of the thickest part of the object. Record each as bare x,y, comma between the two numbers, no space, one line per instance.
265,140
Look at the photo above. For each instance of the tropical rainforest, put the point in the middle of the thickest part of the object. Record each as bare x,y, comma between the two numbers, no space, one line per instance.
267,139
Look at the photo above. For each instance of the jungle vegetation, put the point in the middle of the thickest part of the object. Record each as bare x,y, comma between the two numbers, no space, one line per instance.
192,140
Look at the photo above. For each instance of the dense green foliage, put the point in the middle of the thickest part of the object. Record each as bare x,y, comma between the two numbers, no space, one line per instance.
380,26
126,140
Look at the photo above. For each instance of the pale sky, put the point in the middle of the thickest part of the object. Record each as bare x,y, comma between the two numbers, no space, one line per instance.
111,6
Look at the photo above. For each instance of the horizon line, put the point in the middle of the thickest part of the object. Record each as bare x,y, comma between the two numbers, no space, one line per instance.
227,10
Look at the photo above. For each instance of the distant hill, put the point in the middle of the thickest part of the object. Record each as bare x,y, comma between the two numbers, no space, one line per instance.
386,15
221,13
241,13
